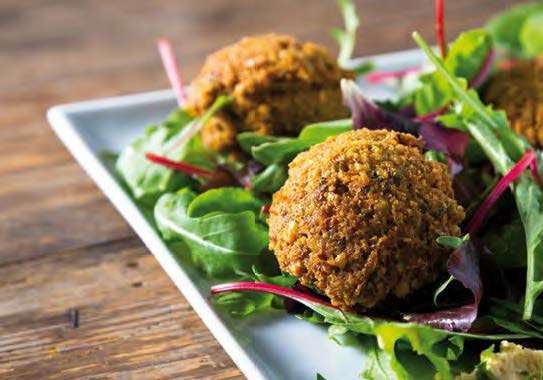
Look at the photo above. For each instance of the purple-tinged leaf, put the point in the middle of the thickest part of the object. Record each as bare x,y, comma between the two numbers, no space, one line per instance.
367,114
463,265
484,71
443,139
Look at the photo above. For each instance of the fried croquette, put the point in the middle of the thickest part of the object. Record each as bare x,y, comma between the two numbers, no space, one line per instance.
519,91
359,215
278,85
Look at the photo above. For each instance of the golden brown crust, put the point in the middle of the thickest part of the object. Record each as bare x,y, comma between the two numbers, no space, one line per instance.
279,85
519,91
359,215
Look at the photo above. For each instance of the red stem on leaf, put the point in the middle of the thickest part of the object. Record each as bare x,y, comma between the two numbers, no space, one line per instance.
440,31
265,208
172,69
179,166
262,287
431,115
527,160
377,77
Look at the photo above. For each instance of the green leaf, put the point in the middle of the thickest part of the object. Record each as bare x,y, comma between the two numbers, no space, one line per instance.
283,150
346,38
222,243
465,58
270,179
468,53
279,152
450,241
529,200
247,140
318,132
506,27
531,35
484,126
146,180
246,303
225,200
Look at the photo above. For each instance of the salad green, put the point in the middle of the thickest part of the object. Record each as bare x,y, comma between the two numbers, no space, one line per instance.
224,227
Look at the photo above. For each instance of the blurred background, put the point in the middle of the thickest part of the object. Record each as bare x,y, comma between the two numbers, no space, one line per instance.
80,297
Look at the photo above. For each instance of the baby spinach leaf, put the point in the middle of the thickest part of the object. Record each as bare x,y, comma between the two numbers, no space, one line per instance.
226,200
279,152
247,140
221,229
318,132
271,179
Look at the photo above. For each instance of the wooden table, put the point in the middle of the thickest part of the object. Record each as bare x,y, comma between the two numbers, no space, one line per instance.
63,248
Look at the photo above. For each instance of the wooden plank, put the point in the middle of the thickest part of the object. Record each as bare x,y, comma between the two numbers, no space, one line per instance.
133,323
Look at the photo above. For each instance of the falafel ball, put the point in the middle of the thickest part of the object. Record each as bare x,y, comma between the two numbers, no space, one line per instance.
279,85
519,91
359,215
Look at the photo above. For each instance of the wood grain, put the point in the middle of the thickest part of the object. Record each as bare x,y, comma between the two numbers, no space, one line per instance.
62,245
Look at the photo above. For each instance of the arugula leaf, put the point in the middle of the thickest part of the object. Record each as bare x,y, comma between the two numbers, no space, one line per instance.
466,58
219,226
507,31
484,124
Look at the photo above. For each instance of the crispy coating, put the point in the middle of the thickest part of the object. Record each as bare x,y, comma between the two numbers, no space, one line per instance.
359,215
279,85
519,91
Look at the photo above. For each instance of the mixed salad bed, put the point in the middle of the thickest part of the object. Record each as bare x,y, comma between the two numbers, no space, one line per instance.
216,208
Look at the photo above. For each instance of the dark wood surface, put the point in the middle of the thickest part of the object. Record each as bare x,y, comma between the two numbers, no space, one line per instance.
62,245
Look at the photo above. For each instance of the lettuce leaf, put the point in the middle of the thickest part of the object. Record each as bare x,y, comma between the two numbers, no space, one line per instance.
148,181
220,227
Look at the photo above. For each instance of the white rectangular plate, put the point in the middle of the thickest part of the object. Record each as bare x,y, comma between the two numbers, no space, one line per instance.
267,346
